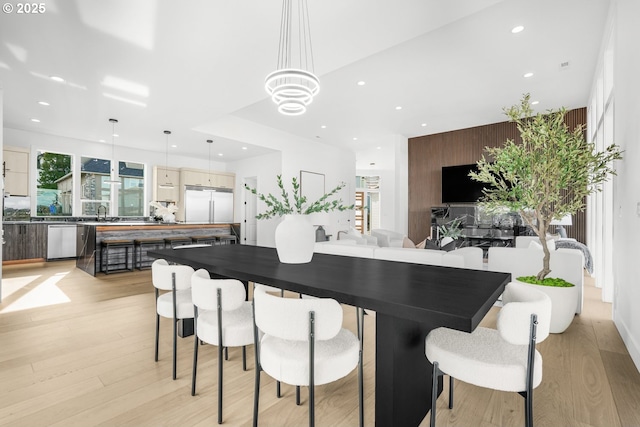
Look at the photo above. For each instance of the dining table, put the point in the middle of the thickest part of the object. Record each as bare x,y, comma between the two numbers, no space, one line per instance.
409,300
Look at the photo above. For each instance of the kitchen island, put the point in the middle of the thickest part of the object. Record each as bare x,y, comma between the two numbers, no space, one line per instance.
91,234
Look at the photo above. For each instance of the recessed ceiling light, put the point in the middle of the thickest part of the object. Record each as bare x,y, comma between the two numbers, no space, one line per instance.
423,124
46,104
220,154
101,140
323,126
174,146
398,107
355,139
244,148
361,83
115,135
535,102
35,120
57,79
379,148
527,75
517,29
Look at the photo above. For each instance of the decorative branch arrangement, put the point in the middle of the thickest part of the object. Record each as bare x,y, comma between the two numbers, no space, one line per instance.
282,206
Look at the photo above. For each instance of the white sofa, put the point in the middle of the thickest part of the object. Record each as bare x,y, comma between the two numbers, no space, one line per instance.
388,238
470,258
524,242
564,263
359,238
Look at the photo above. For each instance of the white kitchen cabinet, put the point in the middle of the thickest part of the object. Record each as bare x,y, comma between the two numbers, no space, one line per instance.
163,177
16,171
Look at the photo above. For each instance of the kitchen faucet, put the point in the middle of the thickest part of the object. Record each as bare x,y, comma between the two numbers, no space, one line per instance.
105,212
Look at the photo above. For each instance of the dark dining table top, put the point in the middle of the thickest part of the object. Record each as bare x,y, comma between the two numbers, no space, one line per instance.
452,297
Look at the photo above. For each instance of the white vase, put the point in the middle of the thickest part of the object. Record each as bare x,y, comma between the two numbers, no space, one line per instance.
564,302
295,239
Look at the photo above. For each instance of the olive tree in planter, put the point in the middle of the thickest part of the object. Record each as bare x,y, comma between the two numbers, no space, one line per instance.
295,236
546,176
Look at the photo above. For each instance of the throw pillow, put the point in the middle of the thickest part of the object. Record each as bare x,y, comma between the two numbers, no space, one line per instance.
407,243
430,244
422,244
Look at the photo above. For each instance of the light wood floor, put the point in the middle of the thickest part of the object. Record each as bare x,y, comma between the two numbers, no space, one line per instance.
89,361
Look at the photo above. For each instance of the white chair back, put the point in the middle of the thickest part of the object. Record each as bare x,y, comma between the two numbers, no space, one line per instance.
204,292
288,318
473,257
161,275
514,319
524,242
416,256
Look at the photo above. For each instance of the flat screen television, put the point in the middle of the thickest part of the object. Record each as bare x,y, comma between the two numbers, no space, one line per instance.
457,185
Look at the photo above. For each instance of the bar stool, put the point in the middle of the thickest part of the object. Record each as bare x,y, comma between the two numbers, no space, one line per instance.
174,241
227,239
113,244
211,240
140,247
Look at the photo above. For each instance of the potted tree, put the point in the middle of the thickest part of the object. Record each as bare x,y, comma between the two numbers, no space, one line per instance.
295,236
546,176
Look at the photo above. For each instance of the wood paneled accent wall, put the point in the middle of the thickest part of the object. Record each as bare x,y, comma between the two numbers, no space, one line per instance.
429,153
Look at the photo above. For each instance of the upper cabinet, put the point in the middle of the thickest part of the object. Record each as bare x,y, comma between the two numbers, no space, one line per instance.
16,171
166,184
201,178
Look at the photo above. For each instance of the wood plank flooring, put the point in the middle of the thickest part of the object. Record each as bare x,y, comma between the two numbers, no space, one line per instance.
87,360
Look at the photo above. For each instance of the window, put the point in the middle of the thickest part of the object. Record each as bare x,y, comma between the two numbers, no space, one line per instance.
131,200
54,196
94,190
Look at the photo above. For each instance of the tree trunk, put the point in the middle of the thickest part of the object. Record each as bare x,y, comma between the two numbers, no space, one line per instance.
545,260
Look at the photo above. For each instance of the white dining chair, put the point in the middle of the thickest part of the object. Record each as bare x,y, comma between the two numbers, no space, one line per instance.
301,342
503,359
175,304
222,317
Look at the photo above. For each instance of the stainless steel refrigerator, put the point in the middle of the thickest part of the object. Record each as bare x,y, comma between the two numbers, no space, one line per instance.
208,205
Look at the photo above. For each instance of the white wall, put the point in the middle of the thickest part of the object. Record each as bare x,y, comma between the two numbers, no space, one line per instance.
39,141
2,185
391,165
264,169
626,234
296,154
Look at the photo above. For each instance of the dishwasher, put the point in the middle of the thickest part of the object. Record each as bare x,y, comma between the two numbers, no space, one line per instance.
61,241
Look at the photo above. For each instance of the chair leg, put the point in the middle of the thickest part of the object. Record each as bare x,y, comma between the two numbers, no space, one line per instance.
312,334
450,392
226,353
256,348
175,347
278,394
195,352
298,395
219,385
244,357
528,409
360,312
157,335
434,393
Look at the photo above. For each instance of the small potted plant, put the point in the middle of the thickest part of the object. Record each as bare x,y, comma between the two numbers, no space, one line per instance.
545,177
449,233
295,236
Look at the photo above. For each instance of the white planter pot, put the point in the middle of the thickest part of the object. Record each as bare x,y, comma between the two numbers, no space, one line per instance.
295,239
564,302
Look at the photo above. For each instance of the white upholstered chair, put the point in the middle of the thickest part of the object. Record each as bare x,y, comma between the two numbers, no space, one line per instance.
388,238
175,304
303,344
501,359
222,318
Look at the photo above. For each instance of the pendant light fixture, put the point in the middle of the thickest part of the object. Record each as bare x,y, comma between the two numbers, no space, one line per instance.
168,185
293,84
112,180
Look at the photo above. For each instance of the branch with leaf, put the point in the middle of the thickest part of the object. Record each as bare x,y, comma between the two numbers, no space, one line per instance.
546,176
282,206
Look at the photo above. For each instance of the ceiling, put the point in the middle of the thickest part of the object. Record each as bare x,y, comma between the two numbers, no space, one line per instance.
187,65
